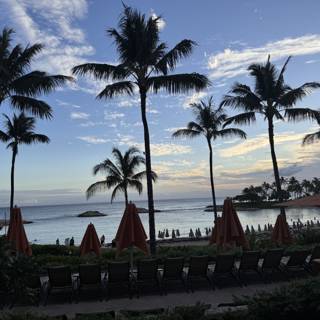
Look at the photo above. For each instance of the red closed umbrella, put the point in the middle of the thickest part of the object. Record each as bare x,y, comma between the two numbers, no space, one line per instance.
229,229
281,233
131,232
90,241
16,233
216,234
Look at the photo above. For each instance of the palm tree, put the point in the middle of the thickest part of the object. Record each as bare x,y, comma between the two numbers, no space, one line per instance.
18,84
144,63
210,122
312,137
121,174
273,99
19,130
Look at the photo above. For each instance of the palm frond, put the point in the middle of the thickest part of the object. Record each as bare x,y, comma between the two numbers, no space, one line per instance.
36,107
186,133
292,96
298,114
241,119
107,166
96,187
4,137
35,138
101,71
37,82
143,174
170,59
311,138
231,132
135,184
116,190
178,83
117,89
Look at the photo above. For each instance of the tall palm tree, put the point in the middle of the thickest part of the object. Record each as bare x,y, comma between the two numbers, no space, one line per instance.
273,99
312,137
210,123
121,174
144,63
18,84
19,130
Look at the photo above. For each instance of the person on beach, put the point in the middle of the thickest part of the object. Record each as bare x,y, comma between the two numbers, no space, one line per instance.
71,244
57,242
102,240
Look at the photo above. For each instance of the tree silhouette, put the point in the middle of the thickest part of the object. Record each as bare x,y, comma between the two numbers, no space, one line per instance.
144,63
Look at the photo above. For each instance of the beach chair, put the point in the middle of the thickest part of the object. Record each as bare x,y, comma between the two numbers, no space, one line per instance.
224,267
118,274
90,277
248,263
271,263
147,274
173,272
198,270
60,279
315,254
295,263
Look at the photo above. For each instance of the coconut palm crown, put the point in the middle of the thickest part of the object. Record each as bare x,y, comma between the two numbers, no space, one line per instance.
19,130
144,64
273,99
20,86
210,123
121,174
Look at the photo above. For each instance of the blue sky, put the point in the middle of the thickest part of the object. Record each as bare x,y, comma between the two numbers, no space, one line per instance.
230,36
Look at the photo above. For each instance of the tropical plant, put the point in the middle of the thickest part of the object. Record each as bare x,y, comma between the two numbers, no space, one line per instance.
312,137
144,63
19,130
210,123
273,99
121,174
18,84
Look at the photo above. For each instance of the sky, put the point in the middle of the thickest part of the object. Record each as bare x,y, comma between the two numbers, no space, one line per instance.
230,35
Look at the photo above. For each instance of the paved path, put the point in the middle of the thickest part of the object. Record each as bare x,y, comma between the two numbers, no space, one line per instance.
214,298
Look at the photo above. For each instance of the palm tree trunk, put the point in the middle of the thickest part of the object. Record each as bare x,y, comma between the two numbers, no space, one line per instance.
14,154
126,197
152,230
274,161
212,182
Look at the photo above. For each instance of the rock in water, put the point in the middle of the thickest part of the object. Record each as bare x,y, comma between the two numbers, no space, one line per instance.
91,213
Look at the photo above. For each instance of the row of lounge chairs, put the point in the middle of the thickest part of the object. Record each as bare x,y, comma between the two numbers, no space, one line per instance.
175,271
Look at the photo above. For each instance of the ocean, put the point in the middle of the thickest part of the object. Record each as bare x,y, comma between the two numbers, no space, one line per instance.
61,221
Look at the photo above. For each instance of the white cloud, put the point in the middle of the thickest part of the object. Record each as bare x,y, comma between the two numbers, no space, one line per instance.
161,21
79,115
67,104
194,98
171,130
93,139
259,142
154,111
113,115
231,63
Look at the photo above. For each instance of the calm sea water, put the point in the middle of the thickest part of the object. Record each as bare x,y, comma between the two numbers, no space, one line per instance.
52,222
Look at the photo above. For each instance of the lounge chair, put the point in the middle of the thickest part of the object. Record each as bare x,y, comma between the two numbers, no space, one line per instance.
271,263
198,269
315,254
118,275
60,278
295,263
90,277
173,272
224,267
147,274
248,263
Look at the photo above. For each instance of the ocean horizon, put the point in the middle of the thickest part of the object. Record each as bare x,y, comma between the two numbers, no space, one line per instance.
53,222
